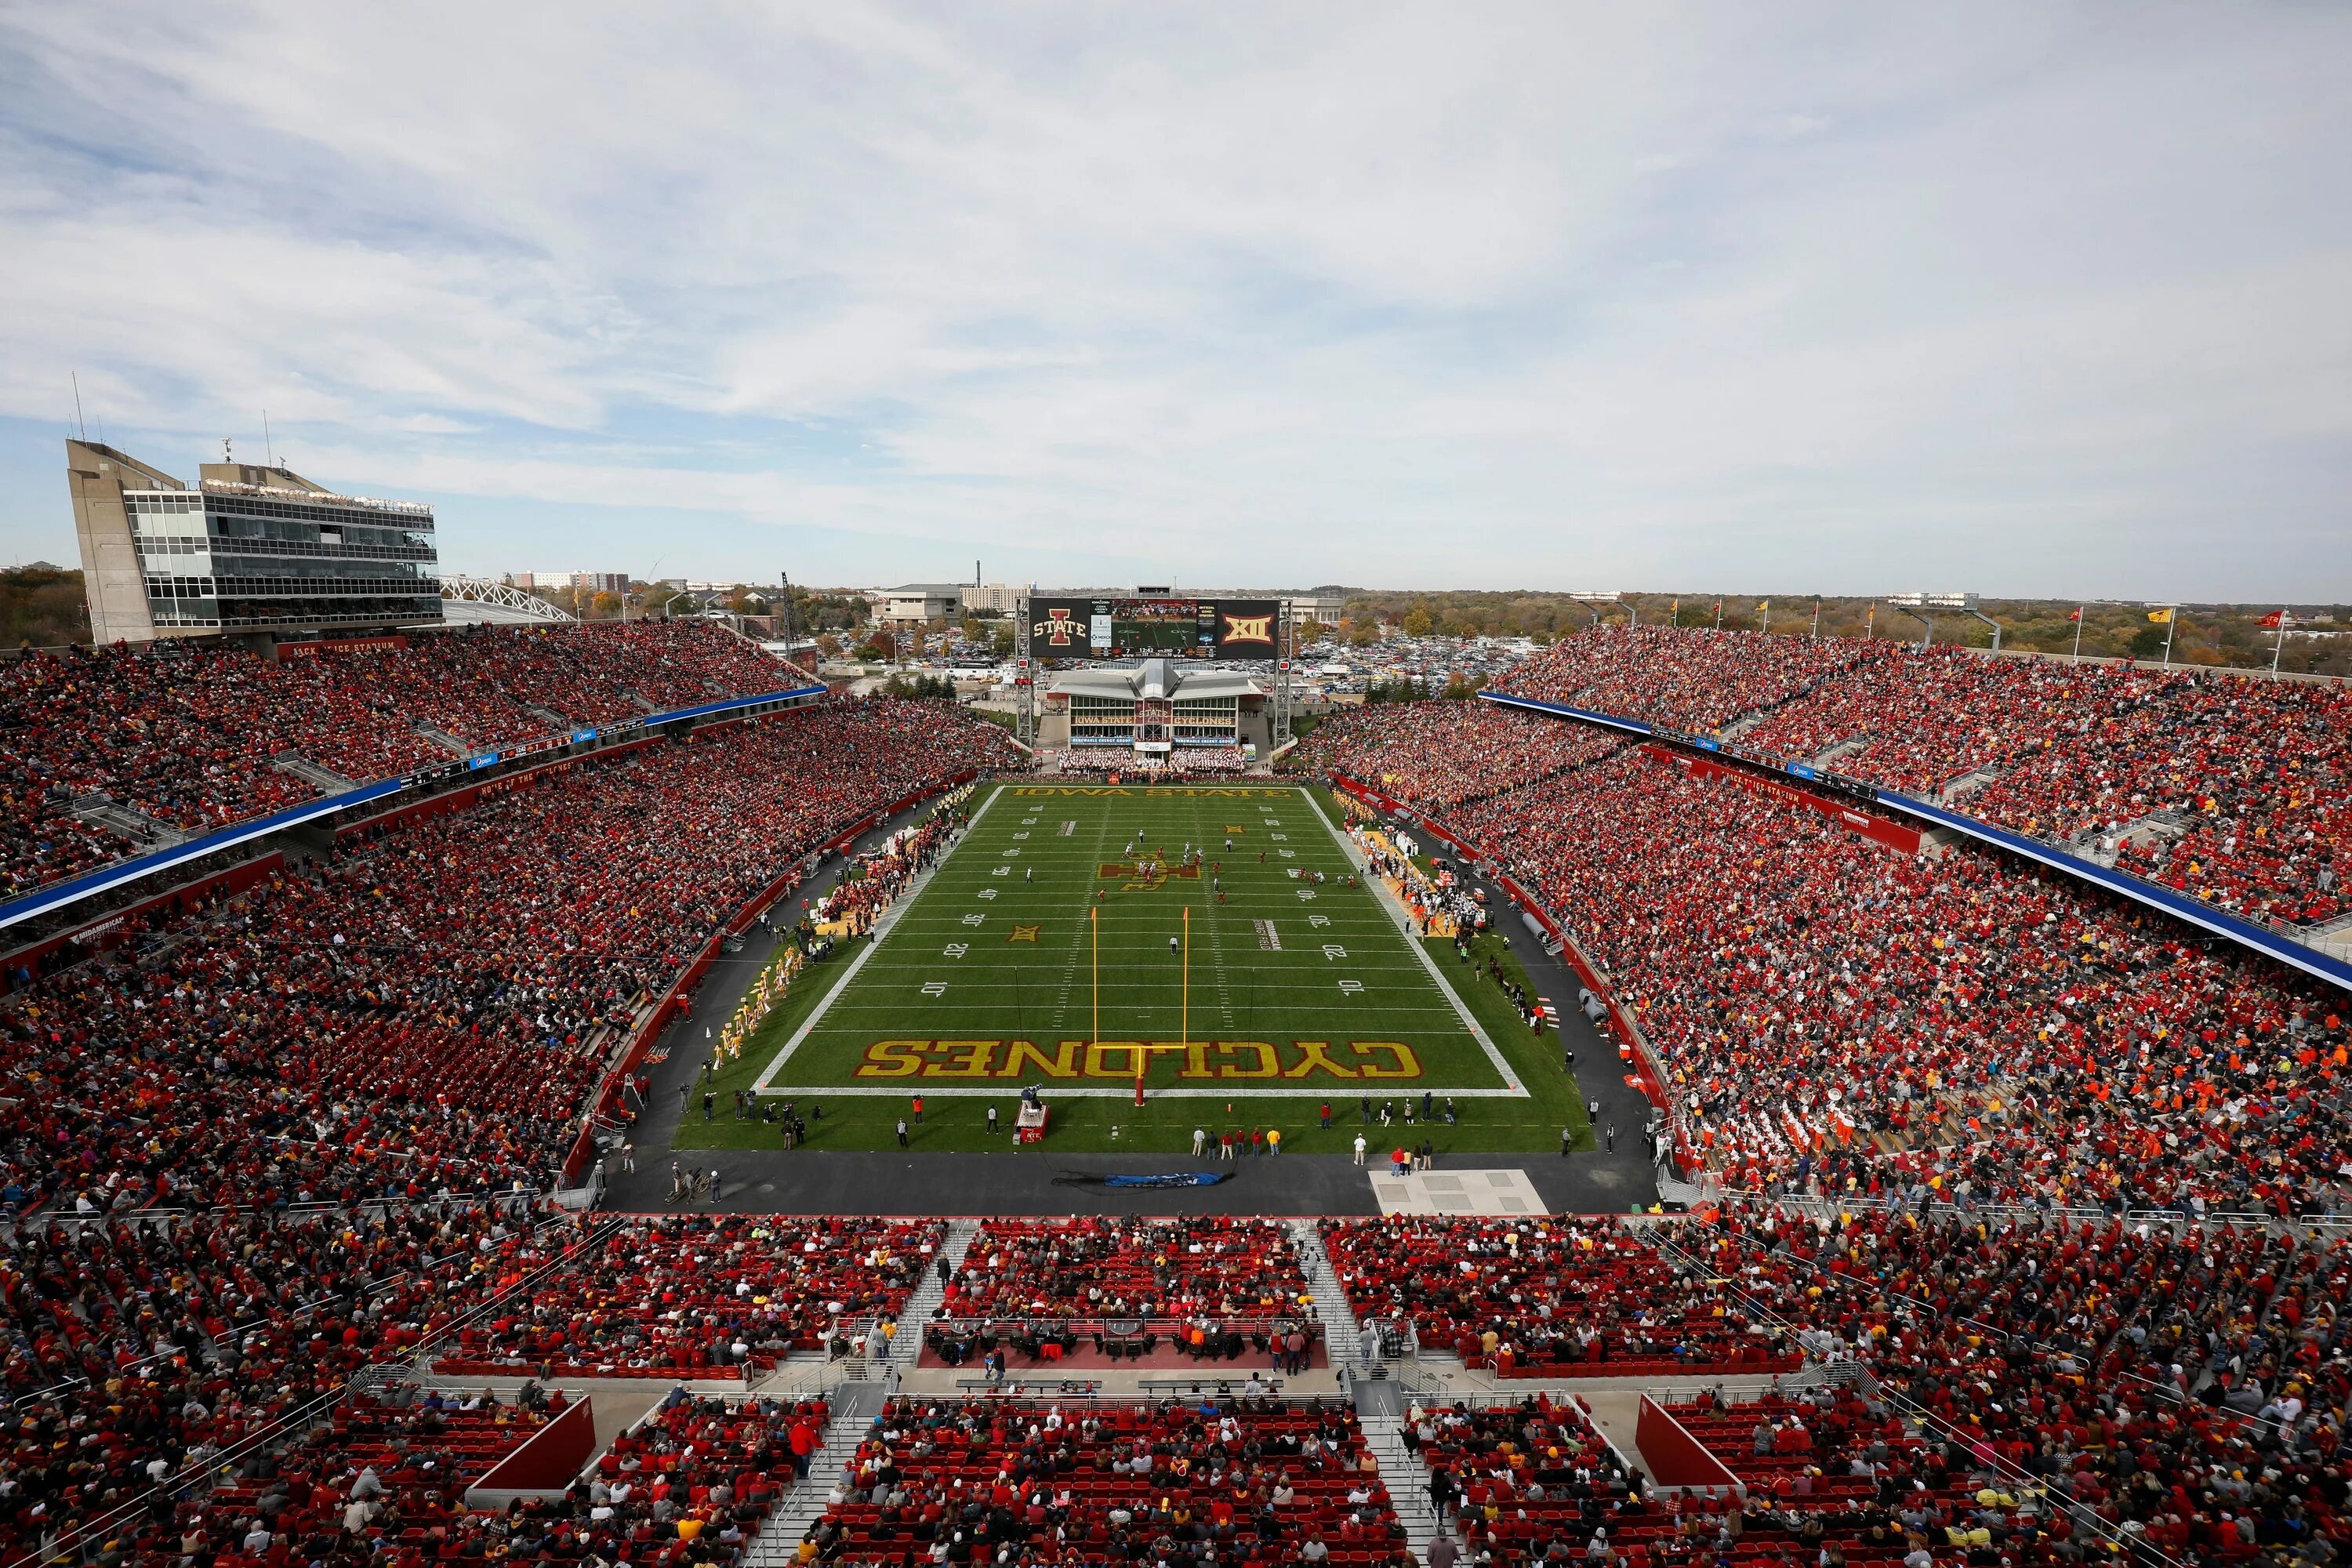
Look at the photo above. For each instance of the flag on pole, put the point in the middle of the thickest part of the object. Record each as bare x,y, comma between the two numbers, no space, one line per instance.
2273,621
2077,615
1765,605
2160,617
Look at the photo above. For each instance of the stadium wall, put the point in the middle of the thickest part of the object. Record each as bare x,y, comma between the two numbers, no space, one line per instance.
547,1463
1675,1458
1877,829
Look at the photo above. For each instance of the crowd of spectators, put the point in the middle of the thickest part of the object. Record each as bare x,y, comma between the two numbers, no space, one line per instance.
1002,1480
1694,681
376,1471
2188,1390
691,1485
1216,1266
426,1008
2240,787
188,733
1441,755
1522,1477
143,1350
2031,1388
699,1296
1546,1297
1839,1016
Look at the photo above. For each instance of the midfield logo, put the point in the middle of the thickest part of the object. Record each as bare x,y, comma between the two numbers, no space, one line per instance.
1145,875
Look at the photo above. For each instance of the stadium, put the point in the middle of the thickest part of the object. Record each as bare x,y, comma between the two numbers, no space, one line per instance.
1968,1125
774,1057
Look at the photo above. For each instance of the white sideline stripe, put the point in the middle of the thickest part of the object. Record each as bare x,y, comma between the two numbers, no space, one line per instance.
883,927
1387,900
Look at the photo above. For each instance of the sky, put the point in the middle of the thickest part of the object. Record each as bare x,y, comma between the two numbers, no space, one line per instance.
2042,299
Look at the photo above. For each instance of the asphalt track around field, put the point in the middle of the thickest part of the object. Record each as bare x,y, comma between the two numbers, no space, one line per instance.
774,1181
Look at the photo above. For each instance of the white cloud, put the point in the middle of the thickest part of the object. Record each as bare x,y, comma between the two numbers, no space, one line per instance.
1547,294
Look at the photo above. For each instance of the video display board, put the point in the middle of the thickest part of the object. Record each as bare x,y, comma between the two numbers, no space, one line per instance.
1140,628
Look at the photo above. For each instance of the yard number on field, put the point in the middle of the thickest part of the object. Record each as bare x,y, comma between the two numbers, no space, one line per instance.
1349,987
973,919
1318,919
1334,951
955,950
935,987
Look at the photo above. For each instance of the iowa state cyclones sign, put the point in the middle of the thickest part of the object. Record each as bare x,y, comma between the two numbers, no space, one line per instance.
1127,627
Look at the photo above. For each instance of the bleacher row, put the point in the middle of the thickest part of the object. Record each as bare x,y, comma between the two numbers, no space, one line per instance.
2245,783
2010,1359
1834,1015
1130,1268
995,1480
191,734
1541,1297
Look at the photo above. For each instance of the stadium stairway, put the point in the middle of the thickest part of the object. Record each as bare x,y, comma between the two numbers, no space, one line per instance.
443,739
301,767
907,1343
854,1407
101,810
1401,1471
1343,1335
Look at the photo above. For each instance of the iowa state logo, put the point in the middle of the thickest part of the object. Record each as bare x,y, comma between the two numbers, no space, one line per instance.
1250,628
1057,628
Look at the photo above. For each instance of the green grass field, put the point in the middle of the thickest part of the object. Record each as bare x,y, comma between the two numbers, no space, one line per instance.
1038,952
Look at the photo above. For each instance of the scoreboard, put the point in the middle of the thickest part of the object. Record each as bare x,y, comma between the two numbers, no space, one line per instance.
1166,628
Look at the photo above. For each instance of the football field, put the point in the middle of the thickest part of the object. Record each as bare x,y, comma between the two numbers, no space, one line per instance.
1207,937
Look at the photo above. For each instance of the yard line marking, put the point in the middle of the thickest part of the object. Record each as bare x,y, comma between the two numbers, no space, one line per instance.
1078,928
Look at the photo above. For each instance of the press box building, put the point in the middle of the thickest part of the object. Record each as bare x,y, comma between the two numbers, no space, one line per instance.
249,548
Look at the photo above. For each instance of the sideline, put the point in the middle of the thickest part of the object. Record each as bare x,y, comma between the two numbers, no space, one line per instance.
883,924
1397,912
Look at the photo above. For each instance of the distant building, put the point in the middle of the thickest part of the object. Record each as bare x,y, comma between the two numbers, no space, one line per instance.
912,603
250,548
585,582
1003,598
